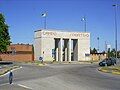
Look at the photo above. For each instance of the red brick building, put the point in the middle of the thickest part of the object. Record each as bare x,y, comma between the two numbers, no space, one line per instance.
18,52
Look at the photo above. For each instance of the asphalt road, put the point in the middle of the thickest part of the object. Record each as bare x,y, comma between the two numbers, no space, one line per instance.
61,77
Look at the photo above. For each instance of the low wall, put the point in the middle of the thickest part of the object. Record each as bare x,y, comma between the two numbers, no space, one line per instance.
17,57
97,57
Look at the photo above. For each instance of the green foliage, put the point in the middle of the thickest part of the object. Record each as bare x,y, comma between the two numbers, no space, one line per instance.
4,34
93,51
118,54
111,53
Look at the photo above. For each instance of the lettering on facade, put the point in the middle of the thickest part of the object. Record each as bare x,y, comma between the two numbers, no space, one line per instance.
50,33
79,35
64,34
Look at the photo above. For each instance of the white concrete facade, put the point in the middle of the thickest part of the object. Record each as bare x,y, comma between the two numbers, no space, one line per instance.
61,46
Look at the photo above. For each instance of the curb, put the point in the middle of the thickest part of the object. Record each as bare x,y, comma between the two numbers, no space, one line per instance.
108,71
37,64
74,63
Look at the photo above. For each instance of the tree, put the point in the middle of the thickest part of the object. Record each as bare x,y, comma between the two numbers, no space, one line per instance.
93,51
103,51
118,54
111,53
4,34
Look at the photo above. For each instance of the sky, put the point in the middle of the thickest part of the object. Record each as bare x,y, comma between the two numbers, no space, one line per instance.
24,17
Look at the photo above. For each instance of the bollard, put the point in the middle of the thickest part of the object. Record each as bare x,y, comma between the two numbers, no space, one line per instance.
10,77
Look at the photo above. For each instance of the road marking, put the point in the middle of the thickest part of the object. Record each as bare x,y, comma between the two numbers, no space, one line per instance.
24,86
11,70
4,84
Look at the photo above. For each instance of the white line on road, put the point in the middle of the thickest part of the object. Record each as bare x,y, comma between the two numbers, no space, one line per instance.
24,86
4,84
11,70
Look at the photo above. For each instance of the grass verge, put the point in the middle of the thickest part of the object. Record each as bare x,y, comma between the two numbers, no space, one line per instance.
38,63
111,69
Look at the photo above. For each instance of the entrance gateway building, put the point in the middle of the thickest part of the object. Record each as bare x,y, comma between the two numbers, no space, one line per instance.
62,46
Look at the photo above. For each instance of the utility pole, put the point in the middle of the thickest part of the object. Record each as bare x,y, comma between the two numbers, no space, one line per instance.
105,46
98,44
115,13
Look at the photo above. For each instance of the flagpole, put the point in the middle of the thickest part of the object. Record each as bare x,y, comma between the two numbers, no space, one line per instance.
45,21
44,15
85,23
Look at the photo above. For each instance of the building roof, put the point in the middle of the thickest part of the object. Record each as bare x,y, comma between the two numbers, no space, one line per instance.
60,30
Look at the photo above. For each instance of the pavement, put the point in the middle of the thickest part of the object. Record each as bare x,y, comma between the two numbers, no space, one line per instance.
13,87
61,77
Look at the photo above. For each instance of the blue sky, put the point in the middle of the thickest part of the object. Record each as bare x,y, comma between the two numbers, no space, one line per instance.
24,17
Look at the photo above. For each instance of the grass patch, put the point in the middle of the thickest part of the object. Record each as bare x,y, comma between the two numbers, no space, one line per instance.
39,63
36,62
111,69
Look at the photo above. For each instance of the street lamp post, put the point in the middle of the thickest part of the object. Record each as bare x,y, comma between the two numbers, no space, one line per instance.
98,44
115,5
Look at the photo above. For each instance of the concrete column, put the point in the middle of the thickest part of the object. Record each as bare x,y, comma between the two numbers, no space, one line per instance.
69,50
56,54
60,51
66,49
75,50
66,54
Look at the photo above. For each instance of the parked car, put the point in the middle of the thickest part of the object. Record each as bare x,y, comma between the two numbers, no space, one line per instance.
108,62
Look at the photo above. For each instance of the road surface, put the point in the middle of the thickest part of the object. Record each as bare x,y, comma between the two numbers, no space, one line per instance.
61,77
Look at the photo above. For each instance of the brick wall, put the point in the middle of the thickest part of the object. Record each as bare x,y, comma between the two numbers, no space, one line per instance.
18,52
20,47
17,57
